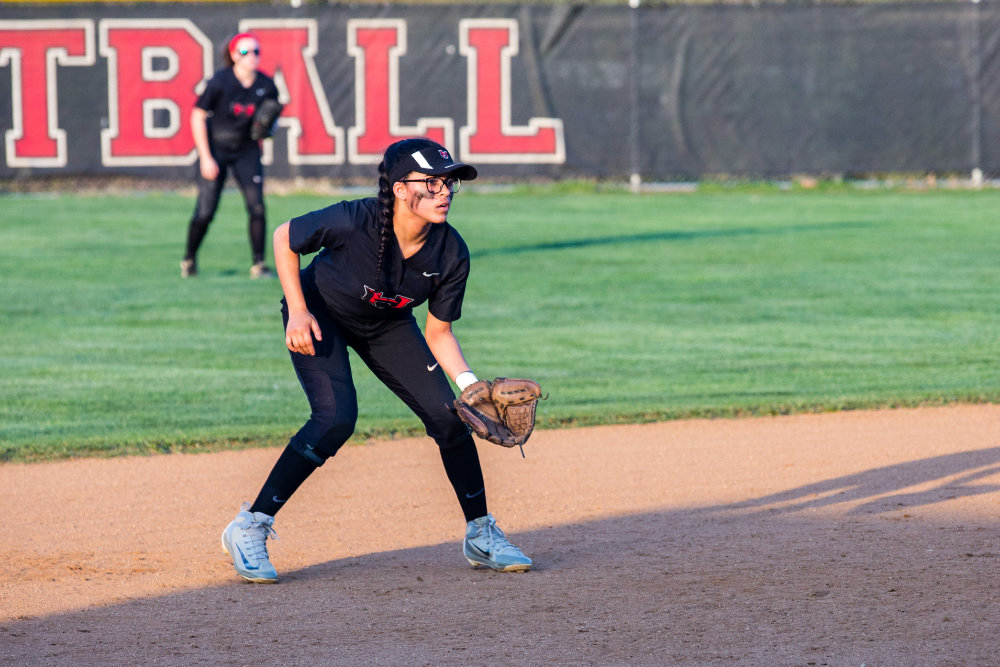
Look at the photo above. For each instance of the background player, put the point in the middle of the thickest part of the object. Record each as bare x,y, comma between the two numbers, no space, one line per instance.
379,258
220,123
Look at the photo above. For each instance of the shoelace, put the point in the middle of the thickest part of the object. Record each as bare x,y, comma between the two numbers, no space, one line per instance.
497,540
257,534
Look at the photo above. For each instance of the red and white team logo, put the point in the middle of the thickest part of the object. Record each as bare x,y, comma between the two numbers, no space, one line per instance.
380,300
243,109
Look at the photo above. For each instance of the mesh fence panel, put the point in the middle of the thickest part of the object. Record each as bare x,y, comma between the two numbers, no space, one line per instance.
653,93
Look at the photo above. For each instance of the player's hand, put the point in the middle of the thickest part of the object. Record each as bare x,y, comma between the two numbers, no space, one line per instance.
299,333
209,168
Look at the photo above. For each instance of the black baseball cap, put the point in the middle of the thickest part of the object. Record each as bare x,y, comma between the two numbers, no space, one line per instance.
428,157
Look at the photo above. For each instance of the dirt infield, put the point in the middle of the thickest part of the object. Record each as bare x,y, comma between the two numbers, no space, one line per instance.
843,539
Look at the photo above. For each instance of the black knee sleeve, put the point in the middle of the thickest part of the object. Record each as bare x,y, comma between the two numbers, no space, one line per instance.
459,437
308,451
319,440
446,429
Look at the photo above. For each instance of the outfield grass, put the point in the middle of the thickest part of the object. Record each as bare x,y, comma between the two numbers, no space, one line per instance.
625,308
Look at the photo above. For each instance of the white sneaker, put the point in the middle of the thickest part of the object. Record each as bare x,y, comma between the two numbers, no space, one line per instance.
485,544
189,268
260,270
245,540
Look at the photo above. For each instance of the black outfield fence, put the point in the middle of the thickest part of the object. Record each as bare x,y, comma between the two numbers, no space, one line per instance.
524,91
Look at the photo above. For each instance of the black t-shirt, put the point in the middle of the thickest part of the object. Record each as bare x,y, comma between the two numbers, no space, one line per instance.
230,107
343,273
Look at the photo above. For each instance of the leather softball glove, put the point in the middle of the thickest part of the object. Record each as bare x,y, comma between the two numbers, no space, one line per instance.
501,411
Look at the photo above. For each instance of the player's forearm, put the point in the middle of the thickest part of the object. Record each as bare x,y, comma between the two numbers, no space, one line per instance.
287,265
445,348
199,132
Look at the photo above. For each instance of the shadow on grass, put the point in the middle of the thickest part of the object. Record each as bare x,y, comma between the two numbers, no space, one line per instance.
753,582
630,239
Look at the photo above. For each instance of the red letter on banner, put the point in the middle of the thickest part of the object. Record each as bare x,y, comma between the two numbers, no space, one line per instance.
376,45
489,44
33,49
154,69
287,52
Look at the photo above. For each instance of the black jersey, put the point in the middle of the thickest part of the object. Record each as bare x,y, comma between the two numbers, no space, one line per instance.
231,107
343,273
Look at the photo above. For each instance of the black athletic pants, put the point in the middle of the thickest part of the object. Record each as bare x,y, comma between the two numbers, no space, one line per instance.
249,175
400,358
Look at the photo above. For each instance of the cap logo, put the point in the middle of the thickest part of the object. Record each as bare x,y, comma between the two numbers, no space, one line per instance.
421,160
445,155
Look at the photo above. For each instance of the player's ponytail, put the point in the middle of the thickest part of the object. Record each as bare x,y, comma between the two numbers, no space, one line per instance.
383,211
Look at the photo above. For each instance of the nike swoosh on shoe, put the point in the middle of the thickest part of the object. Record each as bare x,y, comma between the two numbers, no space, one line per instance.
478,552
246,563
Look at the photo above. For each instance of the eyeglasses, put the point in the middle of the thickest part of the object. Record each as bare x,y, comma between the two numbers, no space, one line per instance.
435,183
244,52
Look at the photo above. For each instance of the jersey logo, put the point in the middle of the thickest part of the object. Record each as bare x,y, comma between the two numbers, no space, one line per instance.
243,109
379,300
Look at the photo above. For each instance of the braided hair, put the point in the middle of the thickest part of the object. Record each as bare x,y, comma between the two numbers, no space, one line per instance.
385,199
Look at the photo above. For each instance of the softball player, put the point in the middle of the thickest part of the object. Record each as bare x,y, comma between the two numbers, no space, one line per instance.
378,258
220,123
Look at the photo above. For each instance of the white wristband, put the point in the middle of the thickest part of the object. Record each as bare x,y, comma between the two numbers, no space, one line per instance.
465,378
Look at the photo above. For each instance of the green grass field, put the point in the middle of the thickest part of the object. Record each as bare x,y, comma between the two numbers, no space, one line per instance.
624,307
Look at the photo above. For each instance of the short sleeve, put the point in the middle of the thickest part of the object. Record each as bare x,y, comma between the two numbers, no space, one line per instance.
327,227
209,96
446,302
272,92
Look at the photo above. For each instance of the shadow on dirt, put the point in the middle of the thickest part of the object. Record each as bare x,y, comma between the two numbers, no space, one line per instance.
952,476
764,581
